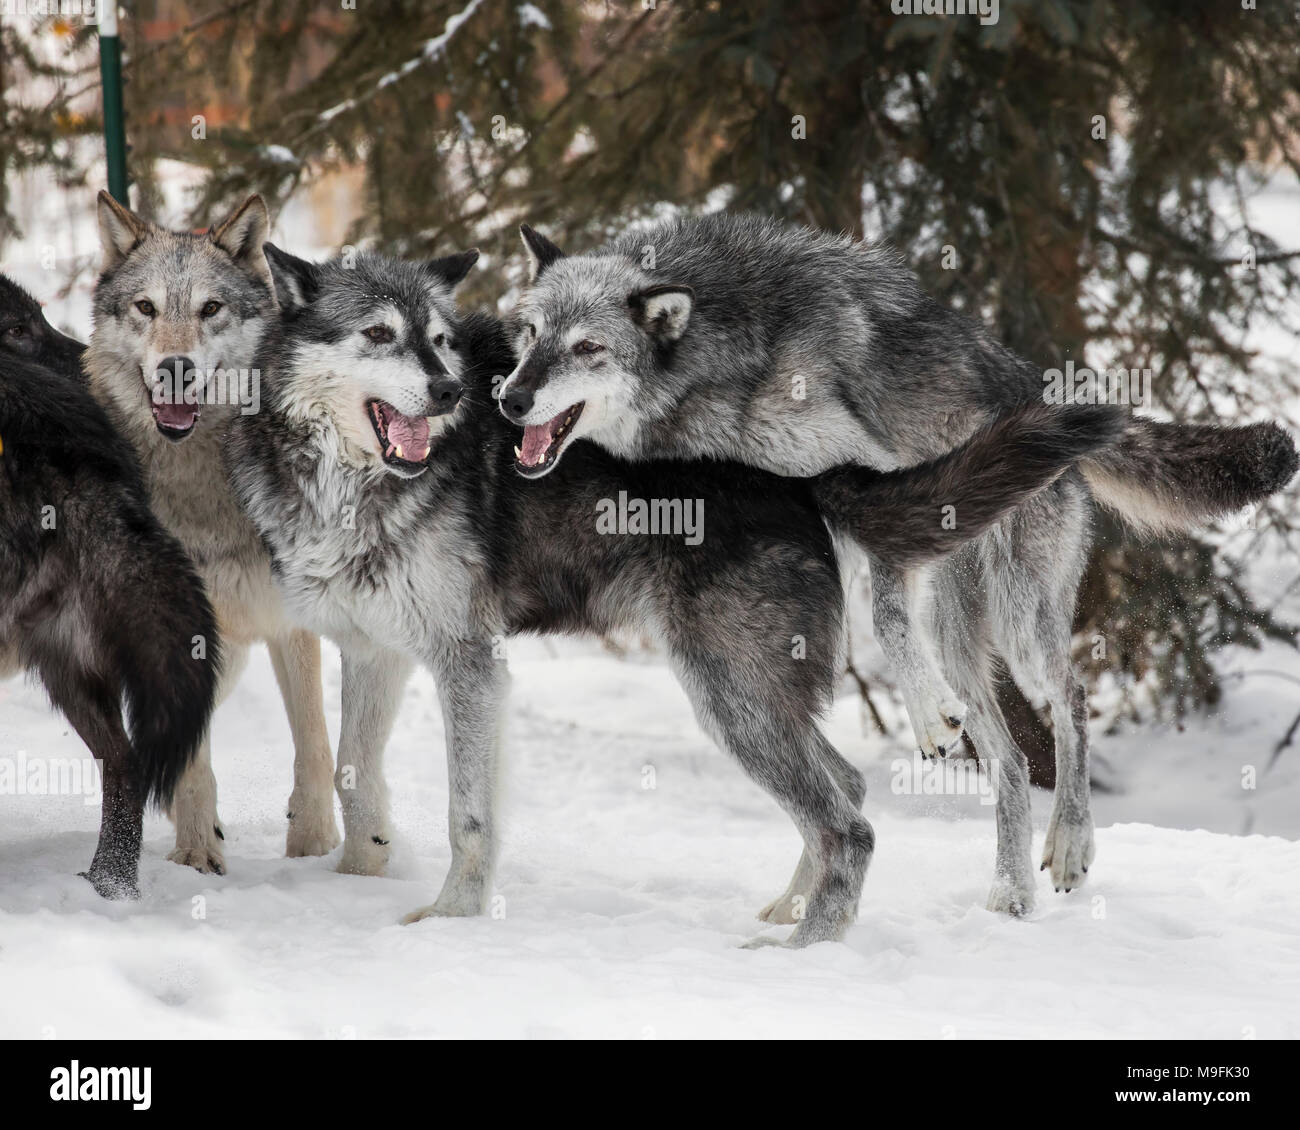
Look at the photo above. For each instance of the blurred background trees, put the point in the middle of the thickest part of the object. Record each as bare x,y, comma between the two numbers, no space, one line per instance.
1080,174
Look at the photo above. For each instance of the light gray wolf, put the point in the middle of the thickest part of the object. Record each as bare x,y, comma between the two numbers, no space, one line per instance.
99,602
739,337
177,317
381,477
25,333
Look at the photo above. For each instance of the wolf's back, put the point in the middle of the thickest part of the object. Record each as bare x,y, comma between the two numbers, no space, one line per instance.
1162,477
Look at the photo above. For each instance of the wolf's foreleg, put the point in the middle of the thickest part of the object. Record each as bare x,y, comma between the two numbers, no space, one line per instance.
937,714
472,684
372,689
194,805
312,831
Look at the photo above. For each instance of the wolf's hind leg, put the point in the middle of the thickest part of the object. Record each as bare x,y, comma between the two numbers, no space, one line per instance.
775,739
964,634
1033,593
936,713
472,685
194,806
373,681
790,907
93,709
312,831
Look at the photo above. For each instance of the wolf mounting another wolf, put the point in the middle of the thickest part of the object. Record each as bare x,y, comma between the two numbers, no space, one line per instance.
796,351
436,559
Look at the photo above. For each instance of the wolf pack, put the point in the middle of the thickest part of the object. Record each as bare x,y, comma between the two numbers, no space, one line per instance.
417,482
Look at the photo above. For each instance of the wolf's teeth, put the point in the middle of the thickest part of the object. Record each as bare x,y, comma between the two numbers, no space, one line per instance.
400,453
518,454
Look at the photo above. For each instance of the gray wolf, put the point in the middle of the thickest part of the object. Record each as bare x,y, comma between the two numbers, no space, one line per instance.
738,337
176,318
381,478
99,602
25,333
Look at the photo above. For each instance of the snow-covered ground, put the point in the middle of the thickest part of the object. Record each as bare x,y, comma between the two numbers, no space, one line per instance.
621,909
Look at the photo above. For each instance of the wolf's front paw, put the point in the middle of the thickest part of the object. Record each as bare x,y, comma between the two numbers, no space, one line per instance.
206,858
312,830
1014,899
785,911
1068,850
462,896
937,721
364,855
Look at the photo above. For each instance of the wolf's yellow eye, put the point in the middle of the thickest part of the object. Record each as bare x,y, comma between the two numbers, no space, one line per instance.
380,334
146,308
587,347
210,308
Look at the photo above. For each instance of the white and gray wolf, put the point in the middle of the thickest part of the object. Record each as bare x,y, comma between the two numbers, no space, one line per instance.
98,601
739,337
381,477
177,317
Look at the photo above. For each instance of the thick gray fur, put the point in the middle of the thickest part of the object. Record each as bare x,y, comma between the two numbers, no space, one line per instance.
739,337
440,564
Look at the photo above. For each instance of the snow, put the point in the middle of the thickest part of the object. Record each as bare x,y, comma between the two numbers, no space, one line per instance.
532,16
619,909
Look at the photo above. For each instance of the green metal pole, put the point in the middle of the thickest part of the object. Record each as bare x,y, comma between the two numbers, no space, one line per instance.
110,70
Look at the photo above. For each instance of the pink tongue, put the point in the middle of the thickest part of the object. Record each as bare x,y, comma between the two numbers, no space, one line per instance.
411,434
537,438
178,416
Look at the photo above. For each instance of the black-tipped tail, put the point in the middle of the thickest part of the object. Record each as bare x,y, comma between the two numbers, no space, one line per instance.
918,514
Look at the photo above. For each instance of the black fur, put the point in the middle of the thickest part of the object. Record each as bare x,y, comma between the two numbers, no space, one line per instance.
24,333
104,607
999,467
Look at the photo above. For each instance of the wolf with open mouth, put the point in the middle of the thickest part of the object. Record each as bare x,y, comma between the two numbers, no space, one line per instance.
381,479
796,351
173,311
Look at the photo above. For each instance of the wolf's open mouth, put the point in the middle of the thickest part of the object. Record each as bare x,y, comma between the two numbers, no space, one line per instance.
542,442
404,440
175,421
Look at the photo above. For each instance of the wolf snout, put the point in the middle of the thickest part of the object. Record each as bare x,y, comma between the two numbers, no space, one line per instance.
178,369
444,396
517,403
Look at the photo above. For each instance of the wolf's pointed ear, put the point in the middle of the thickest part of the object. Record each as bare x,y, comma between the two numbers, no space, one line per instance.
662,311
120,229
242,234
450,269
295,281
541,251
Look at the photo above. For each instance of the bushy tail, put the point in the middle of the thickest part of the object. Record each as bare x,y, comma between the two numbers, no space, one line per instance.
902,517
168,661
1163,477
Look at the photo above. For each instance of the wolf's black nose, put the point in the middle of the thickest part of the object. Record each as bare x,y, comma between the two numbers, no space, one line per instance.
176,368
517,404
445,396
